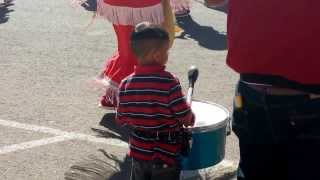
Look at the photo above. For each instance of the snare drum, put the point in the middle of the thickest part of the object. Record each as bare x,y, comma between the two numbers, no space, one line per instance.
208,136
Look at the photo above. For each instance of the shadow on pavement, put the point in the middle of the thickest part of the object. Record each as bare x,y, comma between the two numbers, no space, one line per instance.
124,169
101,166
107,166
90,5
206,36
4,10
114,131
223,8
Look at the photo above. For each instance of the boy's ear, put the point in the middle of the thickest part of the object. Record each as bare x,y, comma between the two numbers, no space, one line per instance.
156,55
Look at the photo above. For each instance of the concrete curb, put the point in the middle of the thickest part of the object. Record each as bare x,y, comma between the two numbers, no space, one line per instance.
225,170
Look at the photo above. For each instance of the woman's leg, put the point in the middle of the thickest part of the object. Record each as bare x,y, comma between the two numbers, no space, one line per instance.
120,65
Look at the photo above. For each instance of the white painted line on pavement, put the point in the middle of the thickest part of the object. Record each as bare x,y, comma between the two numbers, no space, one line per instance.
30,127
61,136
32,144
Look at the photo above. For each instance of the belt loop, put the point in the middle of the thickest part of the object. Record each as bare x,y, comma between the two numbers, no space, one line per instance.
314,96
169,137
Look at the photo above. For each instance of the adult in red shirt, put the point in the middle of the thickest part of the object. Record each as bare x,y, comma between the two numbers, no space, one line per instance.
273,45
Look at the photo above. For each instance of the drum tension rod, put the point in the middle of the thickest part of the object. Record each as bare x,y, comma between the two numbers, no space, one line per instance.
157,135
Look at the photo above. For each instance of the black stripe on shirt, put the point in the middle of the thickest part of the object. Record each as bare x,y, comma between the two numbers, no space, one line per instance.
175,88
165,152
145,115
147,78
142,139
177,101
182,113
156,92
154,128
155,149
141,150
150,104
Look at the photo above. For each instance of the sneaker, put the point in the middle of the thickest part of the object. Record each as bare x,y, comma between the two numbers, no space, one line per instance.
107,107
106,103
177,29
182,13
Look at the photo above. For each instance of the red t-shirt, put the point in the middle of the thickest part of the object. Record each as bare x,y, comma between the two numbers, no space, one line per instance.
275,37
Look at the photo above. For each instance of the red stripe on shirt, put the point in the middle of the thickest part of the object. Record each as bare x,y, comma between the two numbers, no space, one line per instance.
147,146
146,110
162,99
147,85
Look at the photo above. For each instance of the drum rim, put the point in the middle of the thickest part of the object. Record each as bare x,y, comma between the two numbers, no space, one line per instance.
212,127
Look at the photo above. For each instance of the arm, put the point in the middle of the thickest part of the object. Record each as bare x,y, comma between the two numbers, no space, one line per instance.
178,105
120,119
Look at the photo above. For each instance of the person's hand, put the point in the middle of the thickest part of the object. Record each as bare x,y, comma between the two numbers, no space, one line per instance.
106,107
189,121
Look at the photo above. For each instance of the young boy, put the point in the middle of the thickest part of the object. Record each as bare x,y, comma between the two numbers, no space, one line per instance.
152,105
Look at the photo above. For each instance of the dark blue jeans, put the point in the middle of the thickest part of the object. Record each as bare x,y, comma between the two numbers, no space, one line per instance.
279,136
153,170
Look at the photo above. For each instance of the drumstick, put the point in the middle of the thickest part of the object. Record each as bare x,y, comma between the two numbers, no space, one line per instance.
192,77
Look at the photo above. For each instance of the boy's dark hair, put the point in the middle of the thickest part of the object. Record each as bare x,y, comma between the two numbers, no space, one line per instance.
147,37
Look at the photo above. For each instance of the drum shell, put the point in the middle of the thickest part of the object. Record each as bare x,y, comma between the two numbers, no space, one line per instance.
208,149
208,143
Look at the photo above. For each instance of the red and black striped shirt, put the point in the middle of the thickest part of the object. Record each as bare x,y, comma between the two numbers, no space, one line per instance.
151,100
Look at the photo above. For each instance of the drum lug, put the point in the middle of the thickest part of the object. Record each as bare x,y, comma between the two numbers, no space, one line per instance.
229,127
190,143
157,138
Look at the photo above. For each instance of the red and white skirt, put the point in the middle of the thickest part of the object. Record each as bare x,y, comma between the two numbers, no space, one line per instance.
180,5
130,12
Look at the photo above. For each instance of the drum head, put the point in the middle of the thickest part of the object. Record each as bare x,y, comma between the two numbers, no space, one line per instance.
209,116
